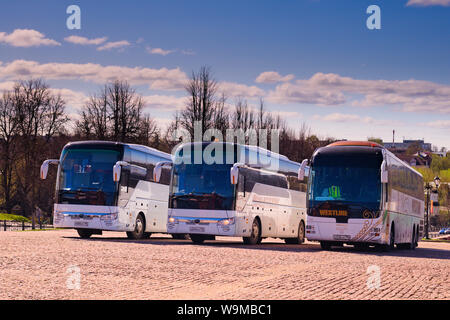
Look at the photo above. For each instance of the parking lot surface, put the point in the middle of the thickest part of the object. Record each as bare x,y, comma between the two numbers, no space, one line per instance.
60,265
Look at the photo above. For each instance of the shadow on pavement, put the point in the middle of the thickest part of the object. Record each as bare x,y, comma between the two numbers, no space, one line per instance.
420,252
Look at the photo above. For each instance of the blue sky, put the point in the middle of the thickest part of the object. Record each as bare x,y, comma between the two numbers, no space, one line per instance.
326,68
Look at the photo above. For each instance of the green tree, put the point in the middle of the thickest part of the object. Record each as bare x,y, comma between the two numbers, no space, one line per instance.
376,140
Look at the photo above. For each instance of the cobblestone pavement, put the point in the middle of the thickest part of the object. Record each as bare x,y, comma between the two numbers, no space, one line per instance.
34,265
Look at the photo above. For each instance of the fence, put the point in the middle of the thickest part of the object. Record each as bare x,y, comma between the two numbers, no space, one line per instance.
7,225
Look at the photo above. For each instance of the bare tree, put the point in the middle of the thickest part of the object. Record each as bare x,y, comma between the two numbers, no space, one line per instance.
124,109
116,114
8,135
201,89
94,118
243,117
221,116
40,115
148,132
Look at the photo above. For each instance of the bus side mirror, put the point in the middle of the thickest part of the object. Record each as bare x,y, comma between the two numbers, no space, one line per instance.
157,171
302,170
117,170
44,167
384,172
234,174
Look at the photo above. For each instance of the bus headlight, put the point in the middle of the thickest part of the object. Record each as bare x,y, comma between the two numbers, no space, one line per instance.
227,222
172,220
109,217
58,215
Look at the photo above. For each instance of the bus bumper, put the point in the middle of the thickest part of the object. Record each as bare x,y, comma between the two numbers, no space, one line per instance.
354,231
220,225
77,217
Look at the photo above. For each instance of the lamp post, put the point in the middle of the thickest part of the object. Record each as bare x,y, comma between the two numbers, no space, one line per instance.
437,182
428,187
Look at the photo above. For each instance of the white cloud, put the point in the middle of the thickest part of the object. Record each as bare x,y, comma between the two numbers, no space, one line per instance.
7,85
26,38
114,45
438,124
74,99
188,52
289,114
167,79
333,89
232,89
354,118
85,41
159,51
164,103
424,3
273,77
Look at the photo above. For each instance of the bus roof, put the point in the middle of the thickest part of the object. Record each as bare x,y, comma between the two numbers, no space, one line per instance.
361,146
345,143
252,148
137,147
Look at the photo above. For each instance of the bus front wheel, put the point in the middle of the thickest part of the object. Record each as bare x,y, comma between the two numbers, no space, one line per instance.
139,228
255,236
300,236
84,233
197,238
180,236
325,245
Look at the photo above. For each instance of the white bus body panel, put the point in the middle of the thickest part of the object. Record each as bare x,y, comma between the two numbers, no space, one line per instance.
279,210
404,211
148,198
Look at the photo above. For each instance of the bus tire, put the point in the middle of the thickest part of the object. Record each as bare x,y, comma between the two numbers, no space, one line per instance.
84,233
412,244
139,227
325,245
197,238
416,244
255,237
300,236
147,235
361,246
391,244
180,236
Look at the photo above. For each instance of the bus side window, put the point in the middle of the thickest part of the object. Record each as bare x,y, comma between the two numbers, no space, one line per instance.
241,184
125,179
386,198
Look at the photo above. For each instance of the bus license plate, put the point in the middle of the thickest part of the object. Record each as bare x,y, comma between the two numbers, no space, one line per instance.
341,237
81,224
197,229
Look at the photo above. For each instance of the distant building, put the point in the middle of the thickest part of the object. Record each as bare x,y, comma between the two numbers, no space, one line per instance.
402,146
420,159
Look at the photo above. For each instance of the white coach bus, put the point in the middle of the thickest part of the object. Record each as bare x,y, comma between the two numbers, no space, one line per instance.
240,194
361,194
109,186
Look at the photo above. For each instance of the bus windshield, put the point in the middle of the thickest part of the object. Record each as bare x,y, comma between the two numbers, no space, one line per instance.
349,179
202,186
86,176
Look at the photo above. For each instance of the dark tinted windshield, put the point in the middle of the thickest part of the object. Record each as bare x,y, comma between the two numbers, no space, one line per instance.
202,186
86,176
346,179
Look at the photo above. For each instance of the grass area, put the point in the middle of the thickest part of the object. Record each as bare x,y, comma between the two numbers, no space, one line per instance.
12,217
37,229
436,240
